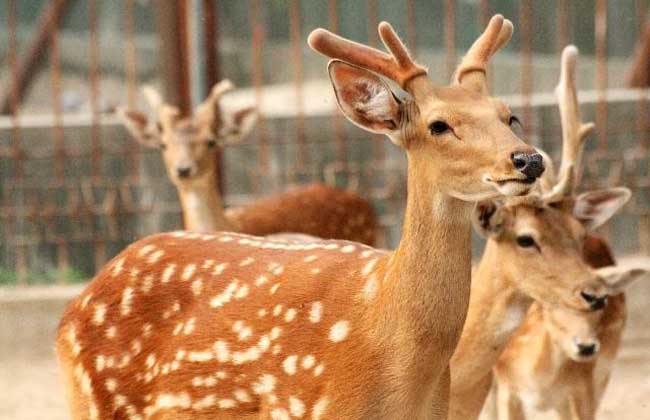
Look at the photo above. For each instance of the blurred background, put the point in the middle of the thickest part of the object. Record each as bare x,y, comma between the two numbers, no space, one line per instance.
75,189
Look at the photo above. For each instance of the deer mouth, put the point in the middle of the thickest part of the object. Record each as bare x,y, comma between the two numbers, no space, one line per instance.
526,181
511,186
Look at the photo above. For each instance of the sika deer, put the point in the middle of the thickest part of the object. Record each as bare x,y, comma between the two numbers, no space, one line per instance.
533,251
234,326
188,146
560,360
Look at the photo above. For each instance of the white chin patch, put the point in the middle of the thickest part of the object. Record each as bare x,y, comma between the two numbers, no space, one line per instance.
513,188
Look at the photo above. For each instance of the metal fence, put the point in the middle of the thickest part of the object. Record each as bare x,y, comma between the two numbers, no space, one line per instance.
74,189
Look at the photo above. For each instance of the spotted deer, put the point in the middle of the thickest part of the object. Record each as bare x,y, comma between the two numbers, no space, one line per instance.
188,146
560,361
533,253
190,325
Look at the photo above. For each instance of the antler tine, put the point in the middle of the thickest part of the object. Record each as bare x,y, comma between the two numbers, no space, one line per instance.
398,66
574,132
471,71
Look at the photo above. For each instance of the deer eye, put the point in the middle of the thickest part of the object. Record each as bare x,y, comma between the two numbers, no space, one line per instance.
438,127
513,120
162,146
212,143
526,241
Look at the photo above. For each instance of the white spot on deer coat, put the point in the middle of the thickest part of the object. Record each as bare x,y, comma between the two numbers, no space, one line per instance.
315,270
221,351
289,364
86,299
118,267
227,403
100,314
225,296
242,292
290,315
279,414
111,332
205,402
277,310
316,312
197,286
100,363
207,264
199,356
347,249
147,283
265,384
274,288
168,273
319,369
367,269
242,395
247,261
319,408
339,331
296,407
155,256
370,288
261,280
111,385
127,300
188,272
310,258
218,269
308,361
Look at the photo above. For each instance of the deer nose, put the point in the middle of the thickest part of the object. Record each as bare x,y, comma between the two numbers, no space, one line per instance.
586,349
595,302
184,172
529,164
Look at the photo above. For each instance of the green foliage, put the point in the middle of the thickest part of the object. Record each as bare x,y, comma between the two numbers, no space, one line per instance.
50,276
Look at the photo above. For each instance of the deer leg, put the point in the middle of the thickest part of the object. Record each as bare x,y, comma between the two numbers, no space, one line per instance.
509,405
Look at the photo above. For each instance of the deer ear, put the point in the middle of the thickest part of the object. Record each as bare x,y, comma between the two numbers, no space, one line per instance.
366,100
617,278
487,218
139,126
594,208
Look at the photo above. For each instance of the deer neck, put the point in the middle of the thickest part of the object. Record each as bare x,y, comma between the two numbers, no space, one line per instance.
427,279
202,206
497,308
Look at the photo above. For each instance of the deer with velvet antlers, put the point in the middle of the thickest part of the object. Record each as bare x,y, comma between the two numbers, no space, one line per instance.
188,146
189,325
538,248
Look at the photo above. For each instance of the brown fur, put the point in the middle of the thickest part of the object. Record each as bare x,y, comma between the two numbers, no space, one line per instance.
390,321
533,368
316,209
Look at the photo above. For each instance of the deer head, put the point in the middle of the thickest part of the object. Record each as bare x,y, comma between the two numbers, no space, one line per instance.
538,240
577,333
188,144
457,134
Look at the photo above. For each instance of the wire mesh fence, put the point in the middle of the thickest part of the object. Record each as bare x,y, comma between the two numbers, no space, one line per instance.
75,189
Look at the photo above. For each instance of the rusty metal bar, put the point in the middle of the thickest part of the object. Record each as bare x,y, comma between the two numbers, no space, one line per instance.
258,41
58,136
337,118
526,62
48,22
94,88
172,26
562,19
211,66
450,37
302,157
131,75
600,28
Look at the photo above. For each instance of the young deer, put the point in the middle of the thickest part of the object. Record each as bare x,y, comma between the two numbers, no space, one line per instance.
188,147
523,236
559,360
234,326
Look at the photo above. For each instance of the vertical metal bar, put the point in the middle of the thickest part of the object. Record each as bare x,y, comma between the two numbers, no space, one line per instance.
58,137
450,37
601,72
337,118
296,59
172,22
257,46
526,62
14,103
131,74
93,78
95,128
211,65
562,19
411,29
